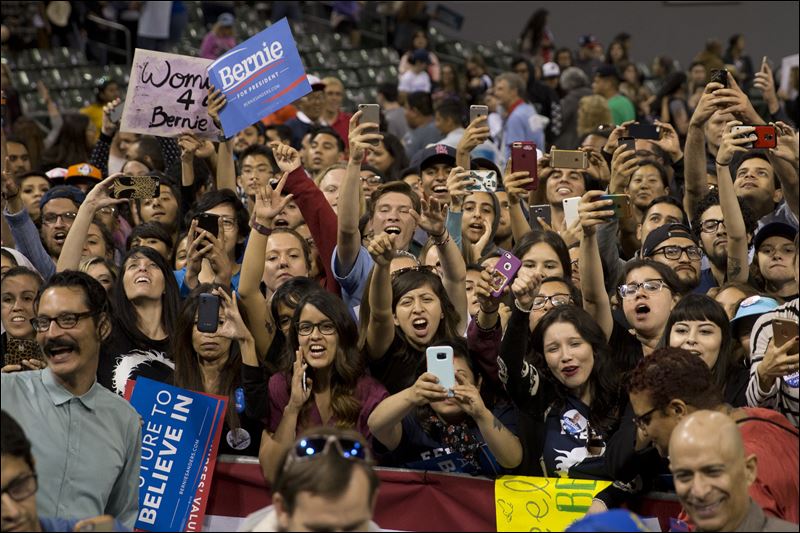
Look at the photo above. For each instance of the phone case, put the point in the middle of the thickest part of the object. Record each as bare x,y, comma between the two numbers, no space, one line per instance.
766,137
621,206
19,349
370,113
629,143
208,222
116,114
208,313
504,271
644,131
476,111
523,158
542,211
783,330
440,364
720,76
138,187
569,159
485,181
570,209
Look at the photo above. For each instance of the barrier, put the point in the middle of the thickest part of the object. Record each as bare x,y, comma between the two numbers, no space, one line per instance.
408,500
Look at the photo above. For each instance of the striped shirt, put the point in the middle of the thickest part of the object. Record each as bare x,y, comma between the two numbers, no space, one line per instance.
781,396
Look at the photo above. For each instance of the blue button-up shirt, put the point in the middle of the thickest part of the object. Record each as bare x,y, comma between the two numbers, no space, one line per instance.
87,448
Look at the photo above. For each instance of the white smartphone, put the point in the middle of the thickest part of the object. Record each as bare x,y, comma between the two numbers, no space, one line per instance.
570,210
440,364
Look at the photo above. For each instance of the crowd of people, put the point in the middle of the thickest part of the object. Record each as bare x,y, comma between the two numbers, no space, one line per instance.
653,345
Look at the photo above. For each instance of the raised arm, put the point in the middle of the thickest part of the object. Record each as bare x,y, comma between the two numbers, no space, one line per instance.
515,187
348,238
226,168
731,212
381,329
696,184
476,133
595,298
386,421
785,158
453,267
98,198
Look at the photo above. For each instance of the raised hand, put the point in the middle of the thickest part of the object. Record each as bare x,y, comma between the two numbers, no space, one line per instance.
216,101
479,246
108,126
10,188
476,133
515,184
233,326
616,133
623,164
199,246
706,106
426,390
598,168
457,183
189,144
433,217
733,100
732,143
100,195
525,288
360,141
468,397
382,249
483,291
787,148
765,81
669,141
299,394
269,202
593,212
288,158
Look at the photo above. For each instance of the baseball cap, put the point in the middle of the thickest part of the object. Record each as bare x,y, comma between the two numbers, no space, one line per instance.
420,54
550,70
607,71
613,520
315,82
63,191
438,153
773,229
587,40
661,234
83,171
754,306
225,20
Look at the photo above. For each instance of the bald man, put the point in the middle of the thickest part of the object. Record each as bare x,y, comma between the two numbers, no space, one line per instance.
712,475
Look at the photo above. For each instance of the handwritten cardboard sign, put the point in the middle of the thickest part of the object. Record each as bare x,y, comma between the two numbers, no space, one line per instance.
258,77
180,436
167,96
542,504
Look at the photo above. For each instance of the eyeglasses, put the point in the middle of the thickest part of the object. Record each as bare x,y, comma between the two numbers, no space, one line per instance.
644,420
629,290
711,225
64,320
52,218
372,180
21,488
675,252
555,299
306,328
316,446
419,268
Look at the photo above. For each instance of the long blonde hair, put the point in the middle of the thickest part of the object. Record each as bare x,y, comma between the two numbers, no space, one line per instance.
593,111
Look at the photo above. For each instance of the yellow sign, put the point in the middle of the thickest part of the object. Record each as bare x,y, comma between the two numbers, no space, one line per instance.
542,504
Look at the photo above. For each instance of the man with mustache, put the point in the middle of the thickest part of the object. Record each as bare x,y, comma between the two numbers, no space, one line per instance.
674,245
70,418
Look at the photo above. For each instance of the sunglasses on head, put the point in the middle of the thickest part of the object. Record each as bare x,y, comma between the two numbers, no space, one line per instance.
315,446
418,268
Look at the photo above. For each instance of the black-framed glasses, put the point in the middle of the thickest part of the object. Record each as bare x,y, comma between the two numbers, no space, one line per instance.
21,488
629,290
418,268
556,300
674,252
52,218
643,421
306,328
64,320
711,225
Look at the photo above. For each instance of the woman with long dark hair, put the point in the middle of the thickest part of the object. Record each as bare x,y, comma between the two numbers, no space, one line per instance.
389,157
700,325
74,143
212,363
325,385
569,386
145,301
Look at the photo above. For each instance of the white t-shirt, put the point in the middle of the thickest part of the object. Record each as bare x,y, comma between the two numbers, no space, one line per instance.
411,82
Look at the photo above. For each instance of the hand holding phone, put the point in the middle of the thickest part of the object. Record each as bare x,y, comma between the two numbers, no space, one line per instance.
523,159
766,136
720,76
476,111
543,211
208,313
504,272
370,113
644,131
136,187
783,331
621,205
483,181
208,222
440,364
629,143
574,159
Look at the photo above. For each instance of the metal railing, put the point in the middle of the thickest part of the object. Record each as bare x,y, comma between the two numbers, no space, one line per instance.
126,52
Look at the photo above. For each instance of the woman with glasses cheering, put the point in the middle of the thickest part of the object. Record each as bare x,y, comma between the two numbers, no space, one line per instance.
325,384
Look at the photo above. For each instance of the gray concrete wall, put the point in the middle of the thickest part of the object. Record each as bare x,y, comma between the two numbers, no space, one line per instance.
676,29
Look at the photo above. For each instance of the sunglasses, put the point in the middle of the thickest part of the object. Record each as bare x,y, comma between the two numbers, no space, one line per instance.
315,446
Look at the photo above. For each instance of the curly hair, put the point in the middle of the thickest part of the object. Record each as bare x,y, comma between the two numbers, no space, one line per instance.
710,200
674,373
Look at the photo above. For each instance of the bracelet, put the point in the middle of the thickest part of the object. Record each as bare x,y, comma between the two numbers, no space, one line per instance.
721,164
262,229
438,242
490,312
518,306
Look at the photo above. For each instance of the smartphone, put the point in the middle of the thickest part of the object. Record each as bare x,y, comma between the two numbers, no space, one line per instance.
621,206
629,143
484,180
208,222
542,211
504,272
720,76
644,131
523,158
476,111
116,114
304,383
370,113
783,330
440,364
137,187
208,313
569,159
570,209
18,350
766,136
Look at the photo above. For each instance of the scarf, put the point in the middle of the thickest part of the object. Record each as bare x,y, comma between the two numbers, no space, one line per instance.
457,437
